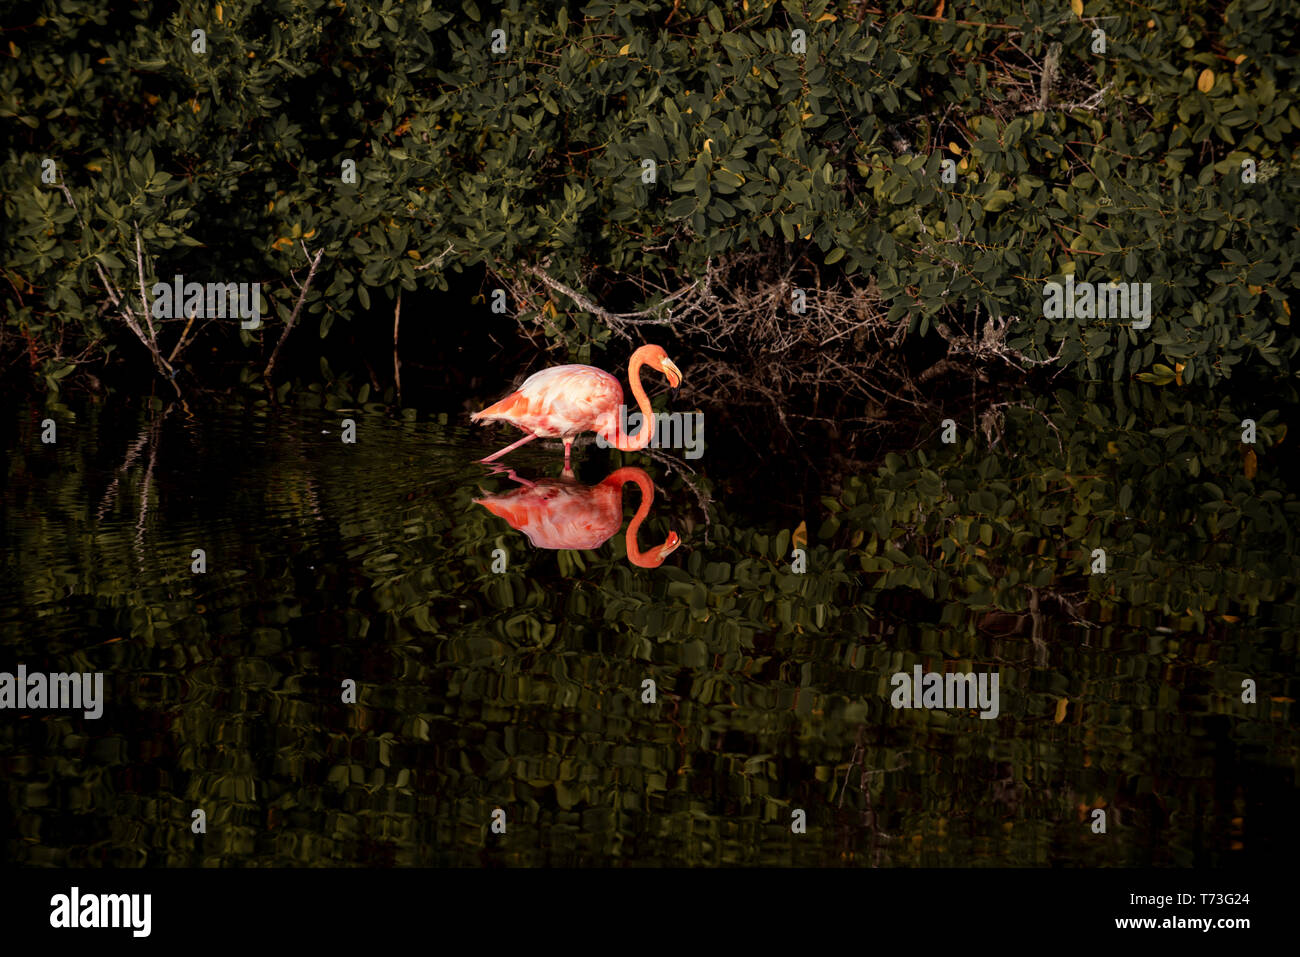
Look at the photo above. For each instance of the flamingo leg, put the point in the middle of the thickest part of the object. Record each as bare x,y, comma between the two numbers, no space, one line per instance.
522,481
508,448
497,469
568,447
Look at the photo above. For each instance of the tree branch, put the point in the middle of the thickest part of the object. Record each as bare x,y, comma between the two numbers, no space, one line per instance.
293,317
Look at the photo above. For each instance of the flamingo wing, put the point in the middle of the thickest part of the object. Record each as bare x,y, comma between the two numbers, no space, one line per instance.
559,401
554,516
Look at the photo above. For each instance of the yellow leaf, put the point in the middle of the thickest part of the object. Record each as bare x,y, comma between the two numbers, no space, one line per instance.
94,168
281,243
1240,60
218,12
1230,619
1112,448
1060,709
622,51
1178,372
1255,290
313,233
800,537
955,148
1252,464
805,116
708,146
413,253
1205,82
826,16
1077,7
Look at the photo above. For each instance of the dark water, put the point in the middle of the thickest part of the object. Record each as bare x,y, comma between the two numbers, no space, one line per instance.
521,688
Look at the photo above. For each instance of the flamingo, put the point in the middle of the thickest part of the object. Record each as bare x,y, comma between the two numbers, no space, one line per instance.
563,401
561,513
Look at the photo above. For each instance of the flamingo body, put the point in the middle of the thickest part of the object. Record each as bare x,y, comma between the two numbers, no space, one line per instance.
562,513
561,402
564,401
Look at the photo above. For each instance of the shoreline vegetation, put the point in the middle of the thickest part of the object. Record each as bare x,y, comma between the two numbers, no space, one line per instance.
840,213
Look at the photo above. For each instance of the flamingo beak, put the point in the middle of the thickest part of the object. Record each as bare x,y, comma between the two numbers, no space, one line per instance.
669,546
674,374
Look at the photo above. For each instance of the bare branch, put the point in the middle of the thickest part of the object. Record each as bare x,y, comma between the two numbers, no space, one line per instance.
1050,64
118,300
397,362
293,317
438,259
144,302
651,316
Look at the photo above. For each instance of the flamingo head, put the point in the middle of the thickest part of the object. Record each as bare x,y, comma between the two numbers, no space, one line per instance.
656,358
655,556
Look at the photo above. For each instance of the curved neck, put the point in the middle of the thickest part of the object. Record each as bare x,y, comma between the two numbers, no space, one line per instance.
643,437
618,479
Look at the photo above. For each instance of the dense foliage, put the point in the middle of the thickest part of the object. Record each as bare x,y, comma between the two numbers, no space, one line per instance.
530,162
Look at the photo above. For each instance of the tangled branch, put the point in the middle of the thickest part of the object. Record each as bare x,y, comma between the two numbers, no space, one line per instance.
775,335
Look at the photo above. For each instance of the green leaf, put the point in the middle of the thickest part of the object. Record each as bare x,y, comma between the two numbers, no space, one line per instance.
998,200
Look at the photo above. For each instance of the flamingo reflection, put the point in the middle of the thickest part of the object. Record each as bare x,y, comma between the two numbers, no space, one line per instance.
563,513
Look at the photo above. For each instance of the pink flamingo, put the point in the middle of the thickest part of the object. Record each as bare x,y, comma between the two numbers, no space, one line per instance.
563,401
561,513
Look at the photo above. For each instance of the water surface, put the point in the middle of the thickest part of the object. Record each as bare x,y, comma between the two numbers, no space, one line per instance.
521,688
